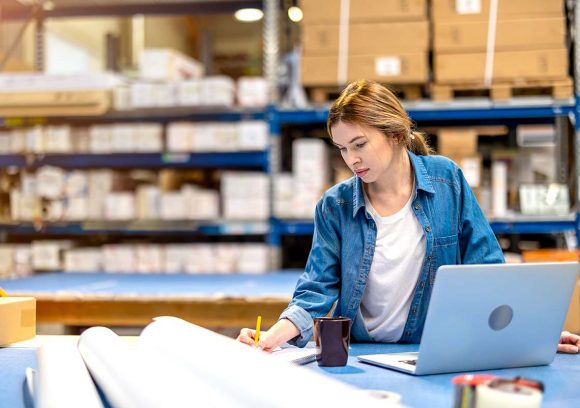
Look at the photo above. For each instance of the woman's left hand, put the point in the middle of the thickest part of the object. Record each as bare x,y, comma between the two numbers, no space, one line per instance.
569,343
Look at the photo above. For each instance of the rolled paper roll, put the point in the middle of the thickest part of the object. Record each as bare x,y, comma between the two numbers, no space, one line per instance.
507,394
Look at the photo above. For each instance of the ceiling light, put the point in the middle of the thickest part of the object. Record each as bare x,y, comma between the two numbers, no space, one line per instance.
248,15
295,14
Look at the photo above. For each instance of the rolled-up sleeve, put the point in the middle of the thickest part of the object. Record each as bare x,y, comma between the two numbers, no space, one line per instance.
318,287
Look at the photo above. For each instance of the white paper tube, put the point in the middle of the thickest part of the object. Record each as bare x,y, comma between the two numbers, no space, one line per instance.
130,377
499,188
252,377
62,379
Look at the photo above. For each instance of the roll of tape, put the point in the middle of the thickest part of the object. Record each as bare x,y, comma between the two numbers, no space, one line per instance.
507,394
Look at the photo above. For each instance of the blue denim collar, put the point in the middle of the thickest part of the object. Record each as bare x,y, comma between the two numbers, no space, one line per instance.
422,182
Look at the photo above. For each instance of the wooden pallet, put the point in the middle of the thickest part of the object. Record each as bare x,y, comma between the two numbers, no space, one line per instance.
325,94
558,89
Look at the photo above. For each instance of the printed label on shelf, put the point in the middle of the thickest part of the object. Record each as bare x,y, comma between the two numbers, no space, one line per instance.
388,66
175,157
468,6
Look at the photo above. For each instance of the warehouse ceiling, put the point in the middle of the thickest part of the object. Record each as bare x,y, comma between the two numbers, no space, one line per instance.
14,9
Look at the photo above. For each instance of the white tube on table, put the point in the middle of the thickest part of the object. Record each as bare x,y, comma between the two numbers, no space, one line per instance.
252,377
62,379
132,377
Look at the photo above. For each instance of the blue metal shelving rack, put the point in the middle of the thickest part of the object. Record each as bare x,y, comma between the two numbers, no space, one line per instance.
423,113
485,112
255,160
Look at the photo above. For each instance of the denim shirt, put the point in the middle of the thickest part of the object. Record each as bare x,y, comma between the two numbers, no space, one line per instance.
338,266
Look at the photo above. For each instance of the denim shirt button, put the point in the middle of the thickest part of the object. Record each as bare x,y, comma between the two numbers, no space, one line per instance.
423,284
428,229
430,257
408,333
417,206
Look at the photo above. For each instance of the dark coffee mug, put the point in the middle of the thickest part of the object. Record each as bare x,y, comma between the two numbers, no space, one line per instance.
332,336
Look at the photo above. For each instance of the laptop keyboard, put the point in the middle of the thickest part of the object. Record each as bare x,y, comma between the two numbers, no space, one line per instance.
410,362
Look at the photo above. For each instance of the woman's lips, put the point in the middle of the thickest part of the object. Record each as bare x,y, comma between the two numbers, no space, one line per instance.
361,172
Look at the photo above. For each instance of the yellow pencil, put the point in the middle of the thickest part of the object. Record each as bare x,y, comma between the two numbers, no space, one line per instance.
2,293
257,335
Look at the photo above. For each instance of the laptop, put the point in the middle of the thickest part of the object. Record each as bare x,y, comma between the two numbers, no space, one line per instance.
492,316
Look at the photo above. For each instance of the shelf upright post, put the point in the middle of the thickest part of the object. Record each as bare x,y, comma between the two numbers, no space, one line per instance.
577,115
271,48
39,42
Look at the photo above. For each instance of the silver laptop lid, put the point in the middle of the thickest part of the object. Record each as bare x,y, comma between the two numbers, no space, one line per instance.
495,316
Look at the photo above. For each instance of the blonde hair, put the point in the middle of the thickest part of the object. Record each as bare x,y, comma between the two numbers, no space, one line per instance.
371,104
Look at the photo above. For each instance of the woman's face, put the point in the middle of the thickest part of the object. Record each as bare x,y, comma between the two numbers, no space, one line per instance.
365,150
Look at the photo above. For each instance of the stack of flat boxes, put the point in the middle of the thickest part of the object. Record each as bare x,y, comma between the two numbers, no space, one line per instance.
387,41
529,41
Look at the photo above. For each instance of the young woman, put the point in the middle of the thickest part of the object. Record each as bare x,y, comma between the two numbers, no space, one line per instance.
380,236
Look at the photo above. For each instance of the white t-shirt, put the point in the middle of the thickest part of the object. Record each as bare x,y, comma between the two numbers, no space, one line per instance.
395,270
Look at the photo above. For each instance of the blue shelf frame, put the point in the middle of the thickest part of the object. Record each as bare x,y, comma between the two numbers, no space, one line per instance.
152,115
249,159
186,228
554,226
455,114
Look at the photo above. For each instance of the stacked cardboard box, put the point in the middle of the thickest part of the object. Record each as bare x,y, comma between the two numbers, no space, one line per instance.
384,40
529,41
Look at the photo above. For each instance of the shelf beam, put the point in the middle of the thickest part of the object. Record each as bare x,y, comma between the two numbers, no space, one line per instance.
123,9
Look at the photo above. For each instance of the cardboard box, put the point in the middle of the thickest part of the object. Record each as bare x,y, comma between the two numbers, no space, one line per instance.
518,35
392,68
253,135
83,260
473,10
168,64
323,39
17,319
460,142
328,11
252,91
55,103
508,65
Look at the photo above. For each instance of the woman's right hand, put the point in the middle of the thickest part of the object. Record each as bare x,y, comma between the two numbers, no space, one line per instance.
277,335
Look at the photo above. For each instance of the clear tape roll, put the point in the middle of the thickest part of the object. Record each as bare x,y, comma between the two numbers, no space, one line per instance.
507,395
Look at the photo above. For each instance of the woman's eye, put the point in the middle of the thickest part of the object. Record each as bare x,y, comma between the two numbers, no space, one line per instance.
360,145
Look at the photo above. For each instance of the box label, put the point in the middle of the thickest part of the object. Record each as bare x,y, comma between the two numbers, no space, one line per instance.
468,6
388,66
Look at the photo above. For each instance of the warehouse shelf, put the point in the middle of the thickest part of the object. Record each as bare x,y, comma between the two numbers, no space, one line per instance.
238,159
509,225
131,7
154,115
157,228
476,112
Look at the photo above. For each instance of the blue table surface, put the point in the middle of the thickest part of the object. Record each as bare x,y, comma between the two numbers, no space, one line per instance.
560,378
279,284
